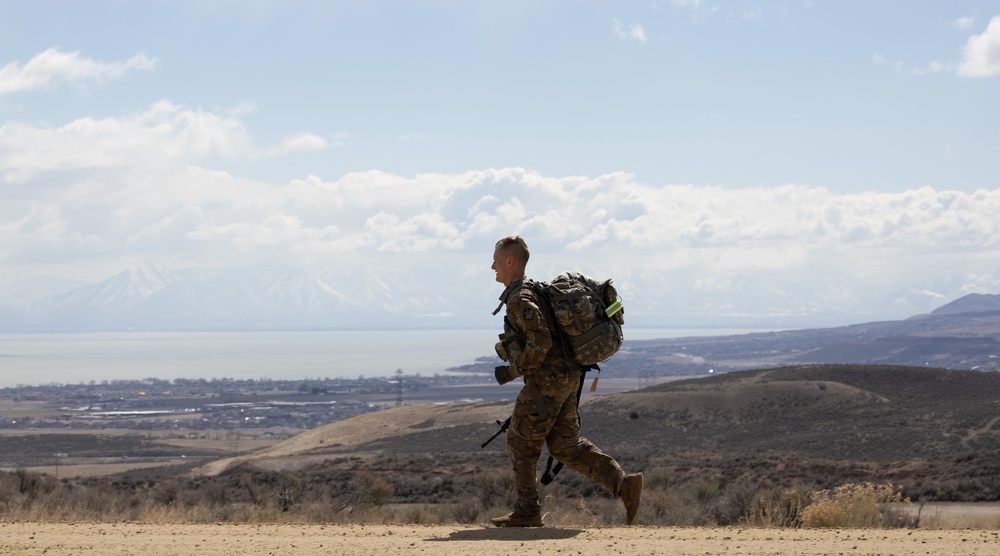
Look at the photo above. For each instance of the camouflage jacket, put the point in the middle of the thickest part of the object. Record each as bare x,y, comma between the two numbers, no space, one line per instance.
528,335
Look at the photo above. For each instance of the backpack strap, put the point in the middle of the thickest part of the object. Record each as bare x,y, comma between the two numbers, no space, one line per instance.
506,293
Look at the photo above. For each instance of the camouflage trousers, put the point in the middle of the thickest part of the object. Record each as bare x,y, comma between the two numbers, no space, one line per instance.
559,430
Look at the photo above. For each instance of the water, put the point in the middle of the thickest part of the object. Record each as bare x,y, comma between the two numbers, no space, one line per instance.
33,359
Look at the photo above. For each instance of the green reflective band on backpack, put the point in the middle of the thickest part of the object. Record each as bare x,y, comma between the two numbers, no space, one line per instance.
613,308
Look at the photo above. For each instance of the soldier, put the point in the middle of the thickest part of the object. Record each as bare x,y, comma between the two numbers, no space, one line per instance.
546,409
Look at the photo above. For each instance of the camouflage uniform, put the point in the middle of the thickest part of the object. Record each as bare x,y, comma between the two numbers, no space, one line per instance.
545,412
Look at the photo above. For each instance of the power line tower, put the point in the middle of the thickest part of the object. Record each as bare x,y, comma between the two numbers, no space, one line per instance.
399,387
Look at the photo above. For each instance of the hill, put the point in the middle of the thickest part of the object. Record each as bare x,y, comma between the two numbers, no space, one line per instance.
974,303
933,431
964,334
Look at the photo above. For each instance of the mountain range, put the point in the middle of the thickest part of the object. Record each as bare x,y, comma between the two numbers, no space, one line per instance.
150,296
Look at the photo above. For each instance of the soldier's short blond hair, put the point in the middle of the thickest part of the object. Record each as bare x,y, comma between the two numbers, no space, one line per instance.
514,246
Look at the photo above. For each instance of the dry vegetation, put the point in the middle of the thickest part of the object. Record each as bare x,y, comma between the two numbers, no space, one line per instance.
247,496
818,446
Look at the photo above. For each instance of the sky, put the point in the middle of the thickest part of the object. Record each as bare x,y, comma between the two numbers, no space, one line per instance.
847,144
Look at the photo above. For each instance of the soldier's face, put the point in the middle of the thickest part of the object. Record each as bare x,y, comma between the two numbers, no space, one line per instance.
503,266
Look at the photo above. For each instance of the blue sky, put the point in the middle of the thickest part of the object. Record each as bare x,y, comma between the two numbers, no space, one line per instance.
842,95
192,131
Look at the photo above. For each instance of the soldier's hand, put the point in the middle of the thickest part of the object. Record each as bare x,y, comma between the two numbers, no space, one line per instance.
503,374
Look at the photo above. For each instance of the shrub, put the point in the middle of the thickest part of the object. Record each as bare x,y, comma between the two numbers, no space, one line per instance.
855,505
166,493
290,491
28,483
495,489
672,496
777,508
467,511
369,490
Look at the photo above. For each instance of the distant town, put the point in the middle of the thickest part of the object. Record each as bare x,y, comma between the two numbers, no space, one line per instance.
192,404
961,335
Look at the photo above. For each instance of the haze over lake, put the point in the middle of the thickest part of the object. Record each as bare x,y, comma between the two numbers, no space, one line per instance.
33,359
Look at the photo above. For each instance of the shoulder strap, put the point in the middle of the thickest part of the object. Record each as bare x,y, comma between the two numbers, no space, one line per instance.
524,283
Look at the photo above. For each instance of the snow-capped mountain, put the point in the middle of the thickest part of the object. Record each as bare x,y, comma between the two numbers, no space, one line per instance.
120,292
152,297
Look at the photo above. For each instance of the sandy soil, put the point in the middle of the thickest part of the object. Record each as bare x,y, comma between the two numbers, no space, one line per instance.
346,540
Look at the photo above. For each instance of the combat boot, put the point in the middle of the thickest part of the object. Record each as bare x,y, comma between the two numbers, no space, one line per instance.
517,519
630,494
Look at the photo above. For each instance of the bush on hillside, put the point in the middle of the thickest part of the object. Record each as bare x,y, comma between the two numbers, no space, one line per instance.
855,505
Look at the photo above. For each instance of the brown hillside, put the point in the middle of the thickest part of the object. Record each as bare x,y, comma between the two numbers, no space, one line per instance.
875,413
969,341
358,434
933,431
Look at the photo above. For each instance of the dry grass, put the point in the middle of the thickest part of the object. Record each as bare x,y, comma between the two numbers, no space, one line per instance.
749,463
366,497
857,506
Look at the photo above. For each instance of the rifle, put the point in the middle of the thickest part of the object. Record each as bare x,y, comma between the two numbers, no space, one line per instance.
504,425
550,471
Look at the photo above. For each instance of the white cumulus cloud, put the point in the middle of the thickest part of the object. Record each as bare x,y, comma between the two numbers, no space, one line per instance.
163,133
142,186
965,22
54,66
981,55
633,32
301,142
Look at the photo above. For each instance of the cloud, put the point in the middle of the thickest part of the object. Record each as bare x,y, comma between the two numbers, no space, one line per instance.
633,32
165,201
141,187
981,55
163,133
687,4
413,136
964,23
301,142
934,66
54,66
702,10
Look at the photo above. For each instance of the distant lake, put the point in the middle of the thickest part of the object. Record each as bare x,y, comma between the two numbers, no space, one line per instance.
34,359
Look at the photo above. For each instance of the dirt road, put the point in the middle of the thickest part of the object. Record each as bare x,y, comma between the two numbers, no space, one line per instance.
93,539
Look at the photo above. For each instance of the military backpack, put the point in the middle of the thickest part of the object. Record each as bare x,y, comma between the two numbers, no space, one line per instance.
587,315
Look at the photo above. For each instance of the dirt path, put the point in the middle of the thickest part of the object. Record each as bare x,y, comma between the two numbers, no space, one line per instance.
974,433
28,539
